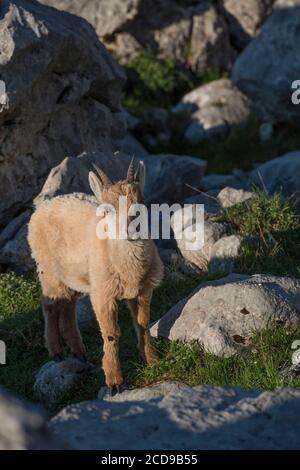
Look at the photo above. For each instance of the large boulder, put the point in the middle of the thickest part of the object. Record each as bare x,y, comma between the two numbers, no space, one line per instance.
193,33
281,174
224,314
23,426
270,64
63,93
245,18
214,109
107,16
166,416
167,176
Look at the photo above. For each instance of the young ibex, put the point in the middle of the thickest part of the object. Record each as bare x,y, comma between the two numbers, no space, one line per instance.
72,259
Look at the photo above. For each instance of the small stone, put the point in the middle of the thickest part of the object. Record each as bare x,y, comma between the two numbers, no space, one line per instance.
229,197
266,132
55,379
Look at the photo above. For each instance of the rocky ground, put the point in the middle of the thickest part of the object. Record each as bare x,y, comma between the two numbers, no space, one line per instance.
207,105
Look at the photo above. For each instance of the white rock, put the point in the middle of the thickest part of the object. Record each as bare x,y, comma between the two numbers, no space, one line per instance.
224,314
228,197
55,379
203,417
214,109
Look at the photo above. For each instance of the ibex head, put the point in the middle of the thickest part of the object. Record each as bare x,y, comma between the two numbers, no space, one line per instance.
109,193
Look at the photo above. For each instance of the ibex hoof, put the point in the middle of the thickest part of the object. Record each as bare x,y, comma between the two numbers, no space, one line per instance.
115,389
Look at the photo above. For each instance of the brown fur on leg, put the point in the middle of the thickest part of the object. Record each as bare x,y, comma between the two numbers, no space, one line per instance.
140,309
52,334
69,327
107,316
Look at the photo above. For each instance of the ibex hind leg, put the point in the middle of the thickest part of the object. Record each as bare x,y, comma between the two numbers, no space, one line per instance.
69,327
60,317
53,338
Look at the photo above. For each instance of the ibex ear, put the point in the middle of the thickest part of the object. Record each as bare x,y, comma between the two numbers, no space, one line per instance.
96,186
140,175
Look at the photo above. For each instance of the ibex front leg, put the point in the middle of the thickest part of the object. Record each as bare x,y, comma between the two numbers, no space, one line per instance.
140,309
107,316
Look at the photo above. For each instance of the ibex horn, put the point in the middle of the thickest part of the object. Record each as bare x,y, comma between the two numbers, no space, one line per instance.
103,176
130,172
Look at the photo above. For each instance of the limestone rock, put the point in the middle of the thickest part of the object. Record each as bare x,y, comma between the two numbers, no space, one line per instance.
223,314
55,379
269,65
186,418
214,109
192,33
281,174
245,18
23,425
229,197
63,97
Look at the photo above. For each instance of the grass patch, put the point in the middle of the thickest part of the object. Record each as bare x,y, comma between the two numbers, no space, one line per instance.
154,82
257,367
275,222
241,149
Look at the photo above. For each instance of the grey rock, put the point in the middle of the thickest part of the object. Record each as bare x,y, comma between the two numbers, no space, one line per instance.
13,227
266,131
150,392
219,250
84,311
213,231
214,108
224,253
55,379
281,174
169,177
72,175
23,425
63,96
291,372
107,16
223,314
229,197
131,146
131,121
266,69
154,125
203,417
245,18
238,180
16,252
209,201
193,34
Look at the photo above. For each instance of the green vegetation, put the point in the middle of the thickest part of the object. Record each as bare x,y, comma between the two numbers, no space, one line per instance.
275,224
154,82
253,368
241,149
